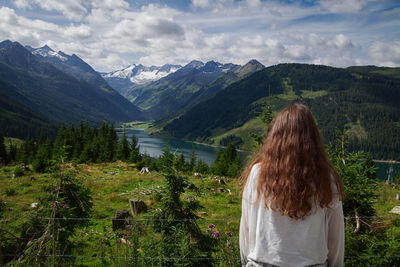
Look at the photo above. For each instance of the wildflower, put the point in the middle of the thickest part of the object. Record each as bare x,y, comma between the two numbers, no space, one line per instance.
10,209
6,221
230,234
55,203
64,206
42,245
216,234
51,236
59,230
211,226
129,226
39,217
119,241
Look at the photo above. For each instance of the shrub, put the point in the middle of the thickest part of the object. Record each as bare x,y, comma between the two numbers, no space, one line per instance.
10,191
18,171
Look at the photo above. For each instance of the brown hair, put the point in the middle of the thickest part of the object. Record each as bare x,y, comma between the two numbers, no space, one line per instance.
294,168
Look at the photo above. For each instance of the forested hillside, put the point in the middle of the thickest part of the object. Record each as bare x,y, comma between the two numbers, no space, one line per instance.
36,93
363,100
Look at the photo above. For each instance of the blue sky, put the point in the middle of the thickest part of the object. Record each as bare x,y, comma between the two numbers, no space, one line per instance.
111,34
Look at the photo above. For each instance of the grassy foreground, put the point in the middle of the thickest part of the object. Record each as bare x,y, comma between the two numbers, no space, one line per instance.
113,184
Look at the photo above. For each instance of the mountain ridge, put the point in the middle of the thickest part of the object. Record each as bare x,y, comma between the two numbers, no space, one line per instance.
361,101
59,95
136,75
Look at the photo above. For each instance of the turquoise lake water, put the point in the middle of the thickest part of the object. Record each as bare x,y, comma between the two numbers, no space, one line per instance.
153,146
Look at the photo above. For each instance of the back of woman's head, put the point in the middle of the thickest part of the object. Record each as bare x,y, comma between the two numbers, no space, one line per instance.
294,169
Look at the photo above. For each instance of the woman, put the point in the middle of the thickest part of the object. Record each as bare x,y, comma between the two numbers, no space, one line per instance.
291,208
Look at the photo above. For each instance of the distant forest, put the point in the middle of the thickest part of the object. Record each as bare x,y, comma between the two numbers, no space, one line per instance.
363,100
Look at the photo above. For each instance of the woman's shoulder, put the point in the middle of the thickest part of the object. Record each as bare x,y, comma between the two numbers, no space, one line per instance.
252,180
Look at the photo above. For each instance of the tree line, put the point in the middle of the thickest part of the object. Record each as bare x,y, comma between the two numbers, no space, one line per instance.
92,144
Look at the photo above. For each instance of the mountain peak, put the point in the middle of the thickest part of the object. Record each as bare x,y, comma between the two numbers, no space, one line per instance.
250,67
195,64
46,48
254,62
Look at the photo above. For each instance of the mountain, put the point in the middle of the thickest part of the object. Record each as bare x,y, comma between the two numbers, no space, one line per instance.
236,74
171,93
133,75
17,119
364,100
71,65
217,85
53,88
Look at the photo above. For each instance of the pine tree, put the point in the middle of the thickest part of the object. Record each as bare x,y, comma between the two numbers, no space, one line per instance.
3,151
192,162
180,162
227,163
202,167
266,117
135,150
177,224
43,157
124,149
166,159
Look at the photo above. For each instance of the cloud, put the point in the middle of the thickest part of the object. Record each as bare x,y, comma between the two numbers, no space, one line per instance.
201,3
24,4
342,6
112,33
109,4
27,31
71,9
385,54
82,31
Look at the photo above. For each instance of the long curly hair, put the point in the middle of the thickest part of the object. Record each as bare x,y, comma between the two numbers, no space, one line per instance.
295,171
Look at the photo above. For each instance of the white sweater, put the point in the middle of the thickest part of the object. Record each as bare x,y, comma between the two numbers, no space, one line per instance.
268,237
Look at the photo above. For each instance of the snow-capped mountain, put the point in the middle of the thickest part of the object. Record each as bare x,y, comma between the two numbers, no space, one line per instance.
70,64
124,79
46,51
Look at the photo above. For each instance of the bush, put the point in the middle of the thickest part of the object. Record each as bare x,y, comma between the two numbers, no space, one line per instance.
18,171
10,191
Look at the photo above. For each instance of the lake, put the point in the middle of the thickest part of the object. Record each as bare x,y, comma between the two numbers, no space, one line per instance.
154,146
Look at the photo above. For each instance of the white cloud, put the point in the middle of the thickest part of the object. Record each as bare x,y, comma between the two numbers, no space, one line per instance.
71,9
81,31
110,33
24,4
27,31
342,6
109,4
202,3
385,54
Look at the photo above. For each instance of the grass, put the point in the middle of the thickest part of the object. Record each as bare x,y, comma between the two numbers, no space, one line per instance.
113,184
313,94
137,124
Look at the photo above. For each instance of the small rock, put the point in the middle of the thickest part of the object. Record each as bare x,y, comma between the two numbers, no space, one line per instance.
34,205
395,210
120,219
192,187
145,170
137,206
221,181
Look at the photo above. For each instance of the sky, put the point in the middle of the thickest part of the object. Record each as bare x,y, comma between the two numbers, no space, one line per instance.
112,34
